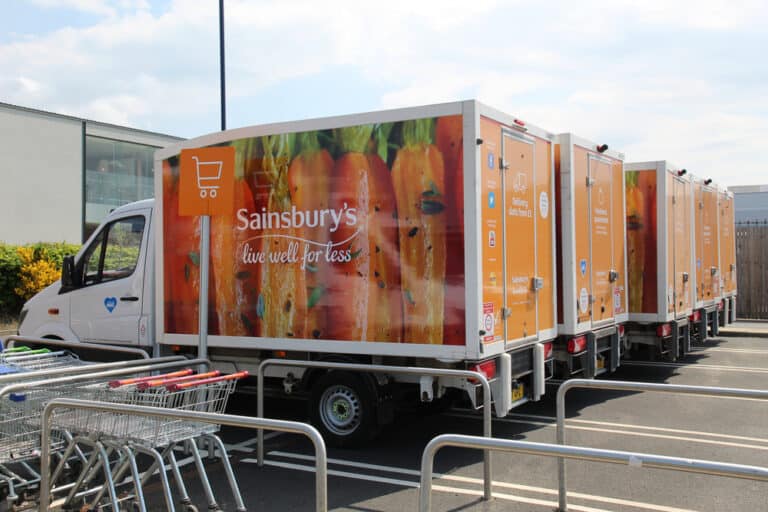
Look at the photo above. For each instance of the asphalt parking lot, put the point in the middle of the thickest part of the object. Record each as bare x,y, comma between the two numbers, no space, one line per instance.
385,475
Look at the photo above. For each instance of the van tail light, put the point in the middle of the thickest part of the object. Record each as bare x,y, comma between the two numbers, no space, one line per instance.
696,316
577,344
621,330
664,330
547,350
486,368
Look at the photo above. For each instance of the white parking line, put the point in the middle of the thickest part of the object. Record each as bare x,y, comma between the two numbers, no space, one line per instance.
734,350
696,366
628,432
552,420
467,480
245,446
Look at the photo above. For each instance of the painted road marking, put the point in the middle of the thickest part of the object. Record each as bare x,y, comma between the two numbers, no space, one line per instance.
245,446
734,350
461,479
696,366
628,432
644,427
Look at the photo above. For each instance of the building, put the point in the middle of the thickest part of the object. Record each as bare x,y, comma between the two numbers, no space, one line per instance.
750,203
61,175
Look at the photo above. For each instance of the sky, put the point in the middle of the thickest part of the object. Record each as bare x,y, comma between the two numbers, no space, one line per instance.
655,79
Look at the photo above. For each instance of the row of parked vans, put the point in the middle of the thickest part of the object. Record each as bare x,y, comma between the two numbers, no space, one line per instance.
449,236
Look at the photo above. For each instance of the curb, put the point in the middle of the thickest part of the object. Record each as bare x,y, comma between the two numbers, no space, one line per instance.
742,333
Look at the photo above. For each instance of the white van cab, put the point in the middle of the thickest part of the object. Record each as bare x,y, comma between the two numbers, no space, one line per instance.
106,291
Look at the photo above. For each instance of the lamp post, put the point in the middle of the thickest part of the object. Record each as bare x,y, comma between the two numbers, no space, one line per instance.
205,220
222,80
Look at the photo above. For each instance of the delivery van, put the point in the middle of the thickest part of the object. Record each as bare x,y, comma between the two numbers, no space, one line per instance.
422,237
660,243
591,257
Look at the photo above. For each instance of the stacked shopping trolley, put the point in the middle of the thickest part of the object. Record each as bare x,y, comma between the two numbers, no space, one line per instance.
106,459
20,416
117,440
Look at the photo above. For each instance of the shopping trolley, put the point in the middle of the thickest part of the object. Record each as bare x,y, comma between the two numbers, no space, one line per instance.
24,359
115,440
208,176
20,416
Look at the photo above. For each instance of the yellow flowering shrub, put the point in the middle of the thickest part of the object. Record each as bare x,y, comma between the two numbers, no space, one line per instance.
35,273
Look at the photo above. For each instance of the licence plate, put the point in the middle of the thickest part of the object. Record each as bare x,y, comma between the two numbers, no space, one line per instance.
518,393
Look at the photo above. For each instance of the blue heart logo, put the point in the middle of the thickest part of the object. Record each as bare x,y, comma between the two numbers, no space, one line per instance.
110,303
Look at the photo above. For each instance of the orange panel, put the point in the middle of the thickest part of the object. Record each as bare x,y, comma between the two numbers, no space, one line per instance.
519,188
709,244
206,183
601,251
683,273
698,238
706,247
582,225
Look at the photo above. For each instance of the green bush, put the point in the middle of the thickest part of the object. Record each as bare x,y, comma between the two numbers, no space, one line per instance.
11,271
10,266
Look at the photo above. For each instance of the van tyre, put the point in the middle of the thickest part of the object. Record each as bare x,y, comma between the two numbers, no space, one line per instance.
343,407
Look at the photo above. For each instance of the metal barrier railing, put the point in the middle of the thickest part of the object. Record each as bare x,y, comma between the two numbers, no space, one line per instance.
321,459
575,452
11,341
631,386
403,370
85,368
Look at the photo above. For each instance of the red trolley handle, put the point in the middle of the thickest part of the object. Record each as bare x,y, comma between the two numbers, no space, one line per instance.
186,385
166,382
136,380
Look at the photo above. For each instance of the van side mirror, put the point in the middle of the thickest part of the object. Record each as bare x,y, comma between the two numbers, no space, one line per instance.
68,273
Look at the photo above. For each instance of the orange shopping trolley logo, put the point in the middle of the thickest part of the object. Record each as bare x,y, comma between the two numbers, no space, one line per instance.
206,181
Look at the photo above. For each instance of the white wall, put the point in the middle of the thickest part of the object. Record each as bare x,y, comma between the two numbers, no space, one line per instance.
41,172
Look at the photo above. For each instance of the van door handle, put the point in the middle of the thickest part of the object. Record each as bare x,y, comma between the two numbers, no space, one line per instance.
129,299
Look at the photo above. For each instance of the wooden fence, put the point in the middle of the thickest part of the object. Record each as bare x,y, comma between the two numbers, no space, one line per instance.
752,270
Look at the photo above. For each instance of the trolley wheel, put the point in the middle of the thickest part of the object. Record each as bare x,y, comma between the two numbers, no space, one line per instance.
343,407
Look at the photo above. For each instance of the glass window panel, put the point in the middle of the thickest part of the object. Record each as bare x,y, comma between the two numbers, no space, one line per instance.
116,257
116,173
123,245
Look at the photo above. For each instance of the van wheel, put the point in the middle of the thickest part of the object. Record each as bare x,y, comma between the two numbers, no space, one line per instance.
343,407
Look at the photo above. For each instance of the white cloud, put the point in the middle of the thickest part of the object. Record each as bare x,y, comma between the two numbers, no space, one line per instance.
99,7
703,14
